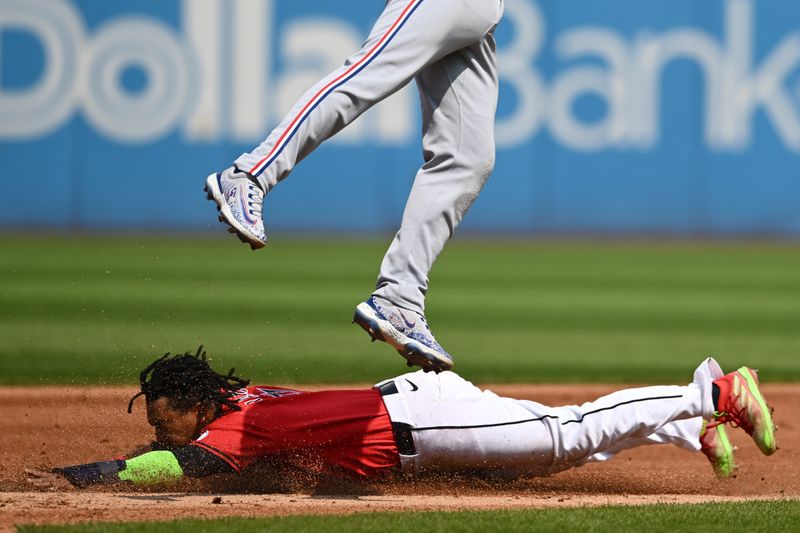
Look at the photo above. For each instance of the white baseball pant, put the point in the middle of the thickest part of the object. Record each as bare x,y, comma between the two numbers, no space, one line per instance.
455,425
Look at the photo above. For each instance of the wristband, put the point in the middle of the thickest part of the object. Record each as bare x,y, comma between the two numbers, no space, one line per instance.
104,472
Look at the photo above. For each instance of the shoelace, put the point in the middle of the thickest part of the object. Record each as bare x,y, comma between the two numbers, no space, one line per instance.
256,194
735,417
425,324
434,343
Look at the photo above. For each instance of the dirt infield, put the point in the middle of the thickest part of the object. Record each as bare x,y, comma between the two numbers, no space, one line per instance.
44,427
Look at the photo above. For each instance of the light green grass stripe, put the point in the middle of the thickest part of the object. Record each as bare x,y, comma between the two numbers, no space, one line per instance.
93,310
712,517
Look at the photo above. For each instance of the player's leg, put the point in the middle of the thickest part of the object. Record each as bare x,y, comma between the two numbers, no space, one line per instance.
408,35
691,434
734,398
737,399
684,434
456,425
459,99
631,416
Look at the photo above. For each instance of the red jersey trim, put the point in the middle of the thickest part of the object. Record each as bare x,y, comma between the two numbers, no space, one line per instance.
219,453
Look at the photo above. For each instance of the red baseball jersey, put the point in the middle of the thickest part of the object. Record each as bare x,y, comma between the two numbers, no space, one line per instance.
348,429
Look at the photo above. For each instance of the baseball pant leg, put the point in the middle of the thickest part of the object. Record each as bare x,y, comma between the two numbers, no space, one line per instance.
684,434
456,425
633,417
459,98
538,439
408,35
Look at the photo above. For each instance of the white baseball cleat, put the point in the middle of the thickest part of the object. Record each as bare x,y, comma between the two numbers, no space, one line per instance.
239,200
411,338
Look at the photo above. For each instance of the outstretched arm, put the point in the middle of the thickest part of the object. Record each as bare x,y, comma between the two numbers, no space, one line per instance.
148,469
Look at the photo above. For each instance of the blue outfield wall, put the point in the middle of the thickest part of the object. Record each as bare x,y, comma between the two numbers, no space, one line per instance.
622,116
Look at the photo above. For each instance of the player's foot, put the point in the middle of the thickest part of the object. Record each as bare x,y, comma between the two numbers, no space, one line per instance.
717,447
239,199
405,330
742,405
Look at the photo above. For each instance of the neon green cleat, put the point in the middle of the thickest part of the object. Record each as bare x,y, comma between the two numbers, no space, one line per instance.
742,405
716,446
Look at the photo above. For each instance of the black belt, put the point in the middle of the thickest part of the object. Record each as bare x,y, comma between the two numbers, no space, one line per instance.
402,432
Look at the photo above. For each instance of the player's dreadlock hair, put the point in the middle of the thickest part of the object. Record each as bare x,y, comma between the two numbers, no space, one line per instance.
186,380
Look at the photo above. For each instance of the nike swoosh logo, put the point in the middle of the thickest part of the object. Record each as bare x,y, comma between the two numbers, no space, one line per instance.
409,325
414,387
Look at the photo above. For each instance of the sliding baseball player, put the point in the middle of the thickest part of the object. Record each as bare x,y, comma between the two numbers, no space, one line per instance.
208,423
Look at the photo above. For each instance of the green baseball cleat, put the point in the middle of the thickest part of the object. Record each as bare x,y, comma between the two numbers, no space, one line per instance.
717,447
741,404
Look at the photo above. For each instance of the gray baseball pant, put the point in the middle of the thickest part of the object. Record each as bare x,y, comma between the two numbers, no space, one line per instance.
448,47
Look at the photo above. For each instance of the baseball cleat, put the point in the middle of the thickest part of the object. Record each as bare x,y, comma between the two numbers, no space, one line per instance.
412,339
717,447
742,405
239,200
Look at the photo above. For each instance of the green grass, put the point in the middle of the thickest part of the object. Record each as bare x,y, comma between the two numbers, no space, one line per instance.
93,310
723,517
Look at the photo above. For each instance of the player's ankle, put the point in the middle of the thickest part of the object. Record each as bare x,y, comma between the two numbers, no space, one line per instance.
715,392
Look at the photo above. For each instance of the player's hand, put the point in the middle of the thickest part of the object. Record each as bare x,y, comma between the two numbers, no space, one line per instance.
47,480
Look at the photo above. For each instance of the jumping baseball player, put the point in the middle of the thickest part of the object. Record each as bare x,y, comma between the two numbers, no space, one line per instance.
208,423
448,48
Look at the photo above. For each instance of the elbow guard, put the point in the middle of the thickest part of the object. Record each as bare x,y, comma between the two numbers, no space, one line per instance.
152,468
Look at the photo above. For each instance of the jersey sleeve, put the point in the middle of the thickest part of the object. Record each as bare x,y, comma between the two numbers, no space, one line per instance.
259,428
196,461
224,442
